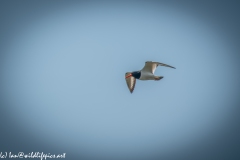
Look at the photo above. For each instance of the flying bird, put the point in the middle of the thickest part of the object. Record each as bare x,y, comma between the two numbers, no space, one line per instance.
147,73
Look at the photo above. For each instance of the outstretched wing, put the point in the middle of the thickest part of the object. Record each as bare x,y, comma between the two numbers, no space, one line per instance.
151,66
131,81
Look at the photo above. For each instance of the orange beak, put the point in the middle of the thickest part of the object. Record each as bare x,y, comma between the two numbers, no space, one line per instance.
128,75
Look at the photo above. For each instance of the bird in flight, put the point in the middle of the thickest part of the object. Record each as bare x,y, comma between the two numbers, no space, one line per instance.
147,73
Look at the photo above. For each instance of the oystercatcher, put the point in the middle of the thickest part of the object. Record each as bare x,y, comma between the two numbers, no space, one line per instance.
147,73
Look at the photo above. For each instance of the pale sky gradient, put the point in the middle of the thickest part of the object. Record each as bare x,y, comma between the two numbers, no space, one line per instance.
63,75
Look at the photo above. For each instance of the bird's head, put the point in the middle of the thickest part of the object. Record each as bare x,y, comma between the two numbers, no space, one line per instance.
135,74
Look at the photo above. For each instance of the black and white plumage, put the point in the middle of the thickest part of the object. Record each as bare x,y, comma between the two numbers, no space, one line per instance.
147,73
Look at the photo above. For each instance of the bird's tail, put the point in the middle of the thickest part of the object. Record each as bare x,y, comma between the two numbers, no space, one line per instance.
157,78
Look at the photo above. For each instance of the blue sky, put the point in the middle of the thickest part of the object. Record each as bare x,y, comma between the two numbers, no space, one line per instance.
64,77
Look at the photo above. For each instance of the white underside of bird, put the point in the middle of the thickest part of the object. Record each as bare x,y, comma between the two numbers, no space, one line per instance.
147,73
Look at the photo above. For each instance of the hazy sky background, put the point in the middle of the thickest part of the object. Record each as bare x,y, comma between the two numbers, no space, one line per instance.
63,88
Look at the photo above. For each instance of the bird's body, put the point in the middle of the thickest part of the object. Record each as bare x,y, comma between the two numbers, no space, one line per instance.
147,73
146,76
